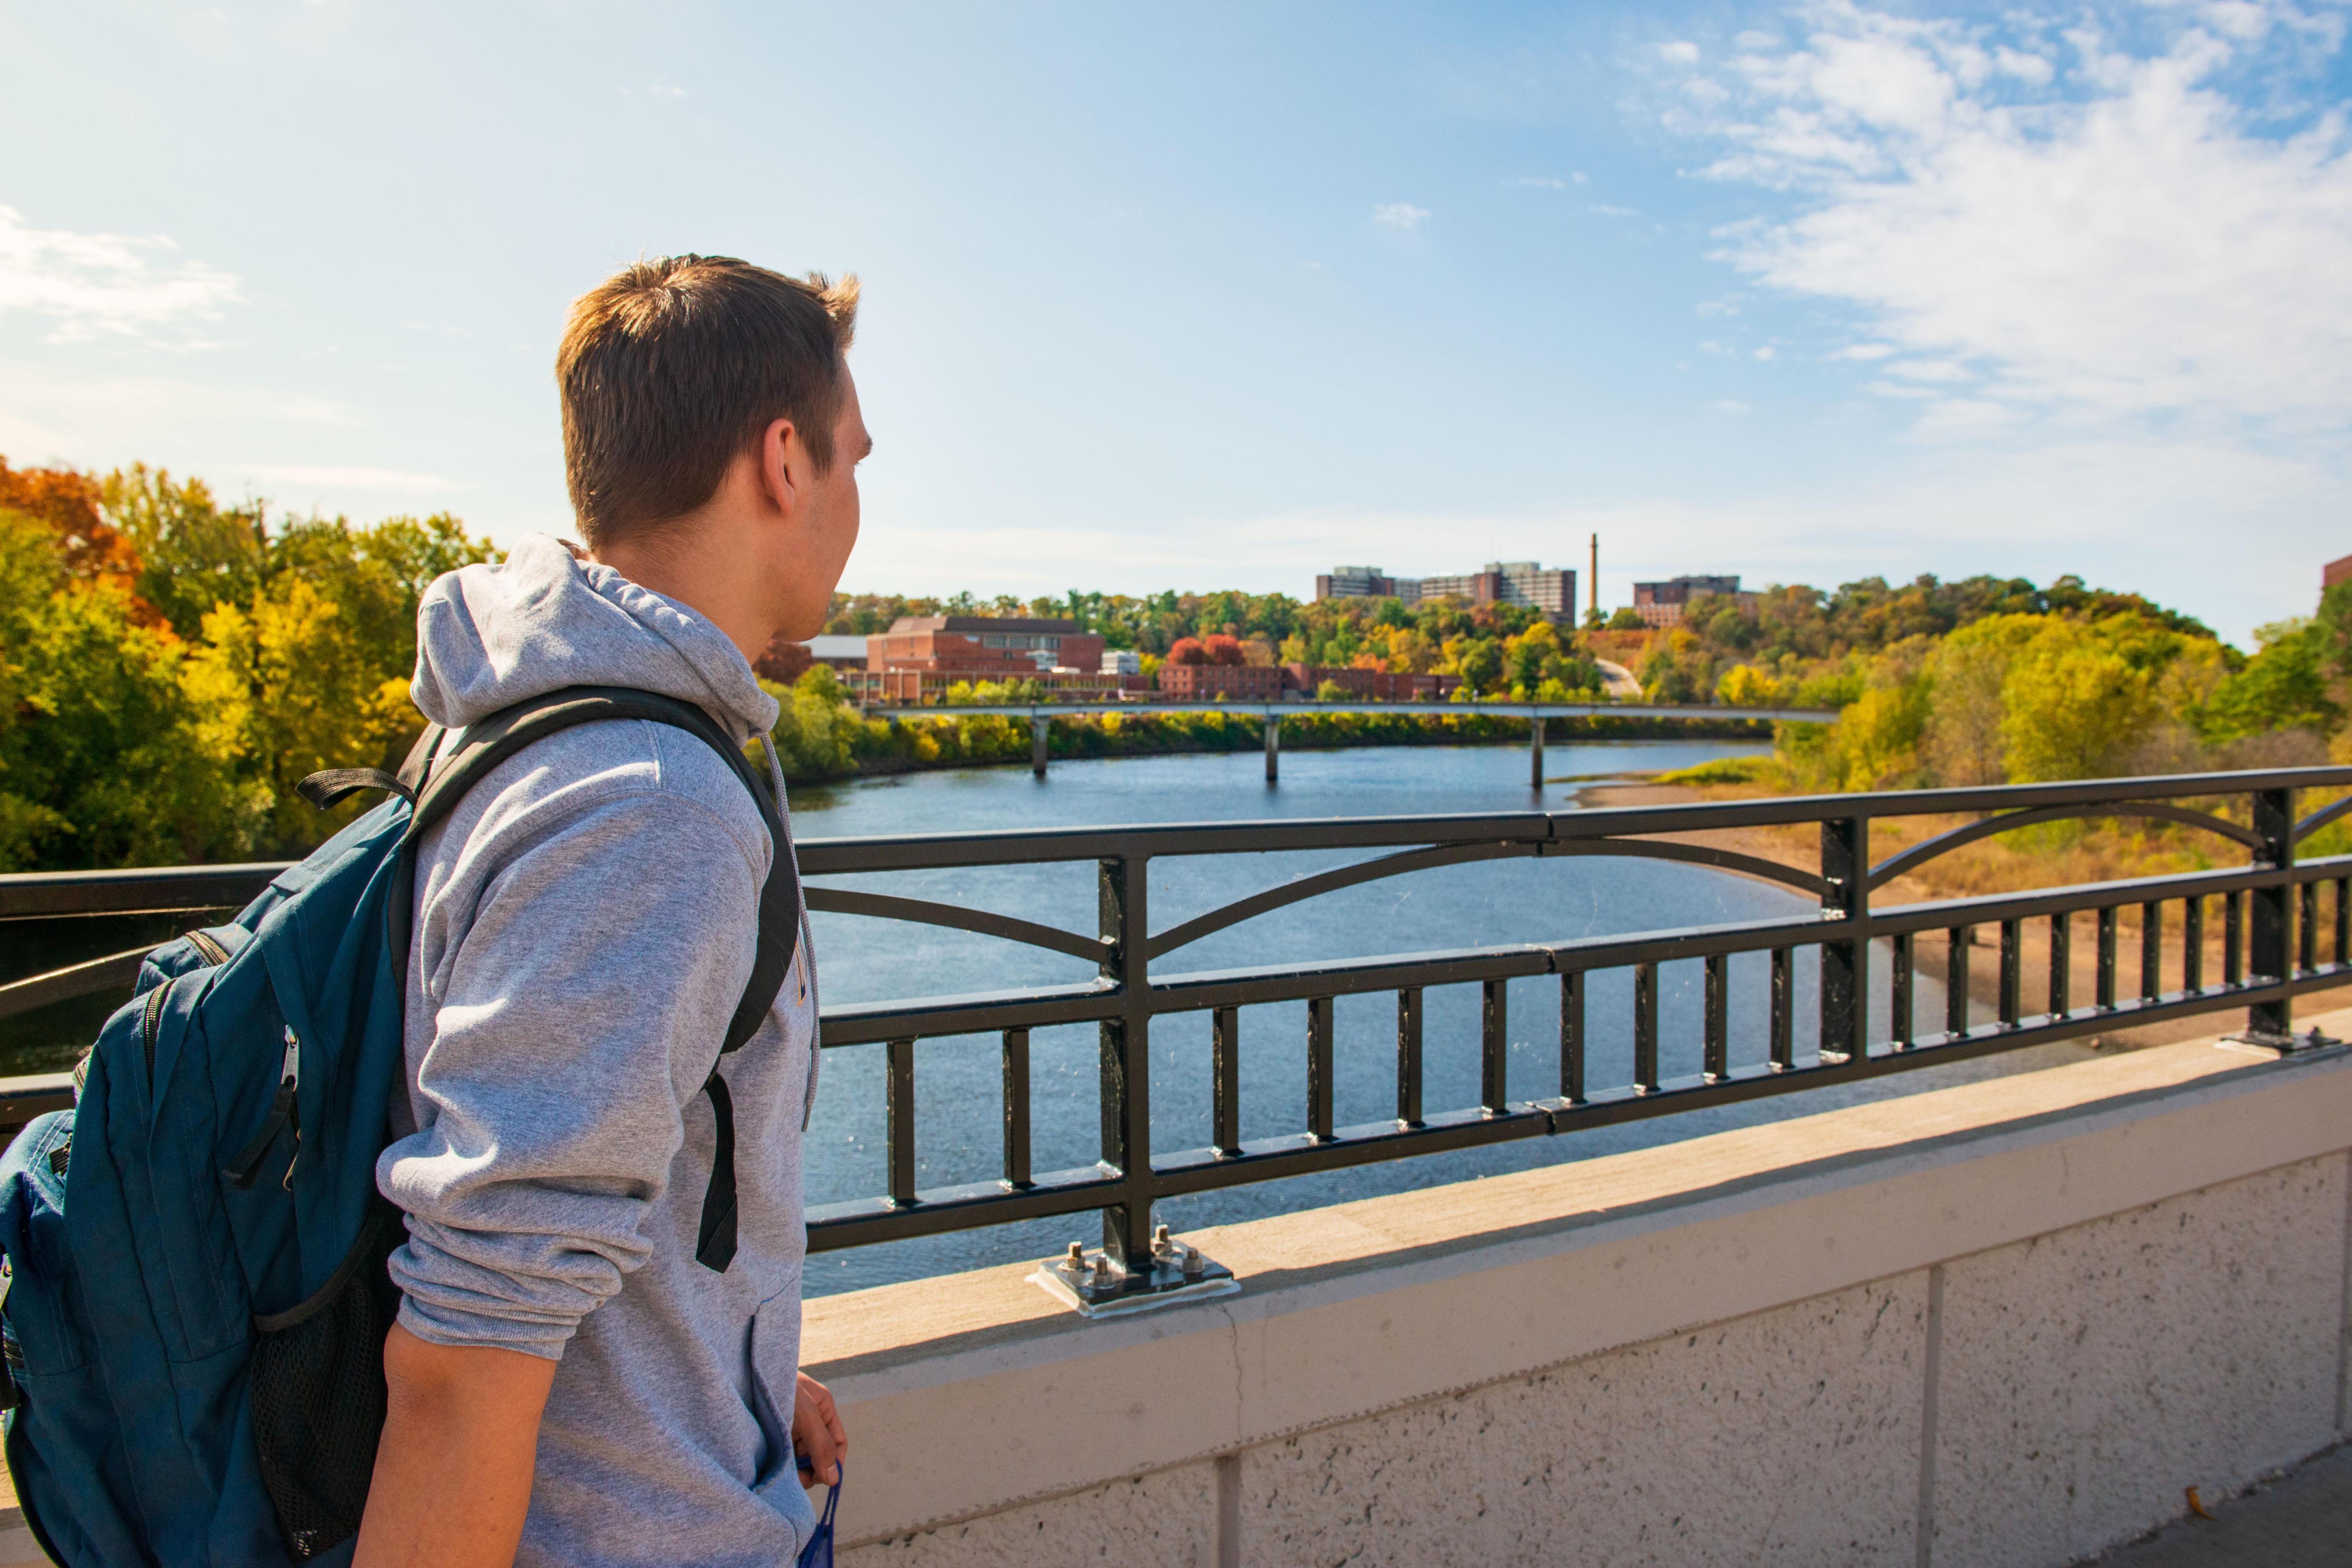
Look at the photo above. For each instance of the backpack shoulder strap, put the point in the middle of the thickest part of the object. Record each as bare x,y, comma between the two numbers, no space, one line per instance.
448,766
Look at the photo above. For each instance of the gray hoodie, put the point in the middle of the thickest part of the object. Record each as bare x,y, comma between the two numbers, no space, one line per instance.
585,920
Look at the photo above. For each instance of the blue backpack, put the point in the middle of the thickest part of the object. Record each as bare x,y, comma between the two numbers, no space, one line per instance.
197,1299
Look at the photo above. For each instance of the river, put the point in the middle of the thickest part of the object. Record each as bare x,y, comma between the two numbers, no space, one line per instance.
958,1092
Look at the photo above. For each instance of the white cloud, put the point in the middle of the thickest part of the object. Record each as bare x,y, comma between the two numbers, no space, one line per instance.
1681,52
1765,352
1542,181
1607,211
90,285
1399,215
2106,236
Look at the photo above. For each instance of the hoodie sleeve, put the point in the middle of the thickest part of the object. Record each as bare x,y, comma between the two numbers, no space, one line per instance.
574,1024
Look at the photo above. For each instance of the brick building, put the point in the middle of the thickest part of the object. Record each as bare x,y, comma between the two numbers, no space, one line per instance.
1662,604
921,656
1372,685
2337,571
1234,682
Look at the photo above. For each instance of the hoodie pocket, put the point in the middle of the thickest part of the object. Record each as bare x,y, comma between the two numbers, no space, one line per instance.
775,1353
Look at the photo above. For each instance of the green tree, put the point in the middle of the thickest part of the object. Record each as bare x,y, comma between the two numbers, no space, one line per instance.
2076,701
2284,687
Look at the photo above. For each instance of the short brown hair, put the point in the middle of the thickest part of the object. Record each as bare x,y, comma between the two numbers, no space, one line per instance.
670,368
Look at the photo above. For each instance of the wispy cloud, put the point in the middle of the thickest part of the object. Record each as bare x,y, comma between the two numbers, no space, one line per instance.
1607,211
1541,182
2103,233
1399,214
93,285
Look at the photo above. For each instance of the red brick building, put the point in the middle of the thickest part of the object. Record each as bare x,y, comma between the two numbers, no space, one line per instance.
1234,682
921,656
2334,572
1372,685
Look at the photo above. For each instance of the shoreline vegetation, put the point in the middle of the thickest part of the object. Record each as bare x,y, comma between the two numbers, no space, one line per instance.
171,667
821,738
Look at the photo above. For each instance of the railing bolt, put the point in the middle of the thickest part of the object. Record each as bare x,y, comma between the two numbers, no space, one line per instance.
1076,1262
1192,1262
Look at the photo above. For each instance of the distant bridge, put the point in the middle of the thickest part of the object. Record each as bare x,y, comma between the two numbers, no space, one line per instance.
1041,715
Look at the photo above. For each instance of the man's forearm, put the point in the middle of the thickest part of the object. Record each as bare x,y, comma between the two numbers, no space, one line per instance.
453,1473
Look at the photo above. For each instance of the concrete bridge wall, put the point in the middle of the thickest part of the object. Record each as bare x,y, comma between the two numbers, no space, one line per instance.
2005,1323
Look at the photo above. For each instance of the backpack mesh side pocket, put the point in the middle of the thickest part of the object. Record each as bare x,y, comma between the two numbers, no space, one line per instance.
318,1393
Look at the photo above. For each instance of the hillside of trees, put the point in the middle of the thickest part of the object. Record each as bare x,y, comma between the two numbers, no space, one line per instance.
171,666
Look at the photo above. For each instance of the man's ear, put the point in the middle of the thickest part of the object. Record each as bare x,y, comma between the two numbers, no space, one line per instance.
781,452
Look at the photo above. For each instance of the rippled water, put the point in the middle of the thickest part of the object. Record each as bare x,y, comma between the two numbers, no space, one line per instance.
958,1085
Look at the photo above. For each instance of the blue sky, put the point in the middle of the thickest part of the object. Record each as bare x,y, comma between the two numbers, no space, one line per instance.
1219,296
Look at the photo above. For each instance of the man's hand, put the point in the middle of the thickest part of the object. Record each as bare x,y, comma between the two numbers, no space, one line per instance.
818,1439
452,1472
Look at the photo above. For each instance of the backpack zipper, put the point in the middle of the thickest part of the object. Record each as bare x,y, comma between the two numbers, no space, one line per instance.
151,1024
214,951
284,1111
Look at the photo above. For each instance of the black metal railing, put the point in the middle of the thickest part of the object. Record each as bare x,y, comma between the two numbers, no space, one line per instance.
2271,920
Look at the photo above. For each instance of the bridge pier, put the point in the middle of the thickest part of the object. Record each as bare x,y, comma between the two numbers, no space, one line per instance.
1038,726
1535,754
1273,748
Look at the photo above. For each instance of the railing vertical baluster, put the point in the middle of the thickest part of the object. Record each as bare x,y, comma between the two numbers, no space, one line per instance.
1571,1036
1226,1074
2271,929
1409,1056
1846,957
1016,1108
1319,1069
2061,965
2307,930
2106,992
1903,1023
1645,1027
2151,951
2343,920
2012,972
2233,937
1784,1008
1718,1018
2192,944
900,1134
1494,1044
1124,907
1956,942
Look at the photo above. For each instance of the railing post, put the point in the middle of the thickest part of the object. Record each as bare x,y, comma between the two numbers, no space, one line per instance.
2270,931
1038,726
1126,1061
1535,751
1845,959
1272,746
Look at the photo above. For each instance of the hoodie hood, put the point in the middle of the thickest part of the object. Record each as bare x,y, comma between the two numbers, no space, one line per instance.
490,636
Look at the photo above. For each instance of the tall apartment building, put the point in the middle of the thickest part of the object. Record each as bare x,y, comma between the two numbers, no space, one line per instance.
1550,589
1662,604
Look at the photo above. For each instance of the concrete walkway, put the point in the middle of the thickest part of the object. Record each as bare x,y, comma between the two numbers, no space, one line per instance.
2302,1521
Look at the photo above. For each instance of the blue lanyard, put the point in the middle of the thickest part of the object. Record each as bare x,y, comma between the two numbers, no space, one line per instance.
818,1553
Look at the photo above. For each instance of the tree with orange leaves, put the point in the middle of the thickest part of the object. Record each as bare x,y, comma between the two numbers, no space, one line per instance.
94,551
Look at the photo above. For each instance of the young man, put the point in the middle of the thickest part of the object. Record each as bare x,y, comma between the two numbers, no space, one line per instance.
568,1385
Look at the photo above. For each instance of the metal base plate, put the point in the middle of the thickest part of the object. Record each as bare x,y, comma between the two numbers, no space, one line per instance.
1164,1285
2279,1045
